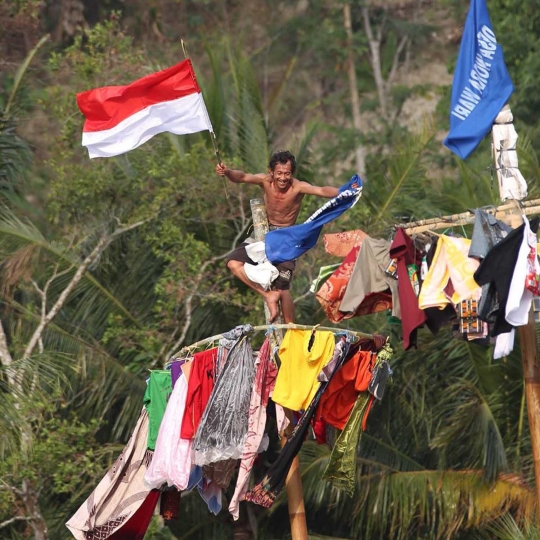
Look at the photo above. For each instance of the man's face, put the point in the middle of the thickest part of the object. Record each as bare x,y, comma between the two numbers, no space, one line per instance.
282,175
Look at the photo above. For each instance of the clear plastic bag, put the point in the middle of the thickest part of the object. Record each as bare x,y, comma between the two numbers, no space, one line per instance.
223,427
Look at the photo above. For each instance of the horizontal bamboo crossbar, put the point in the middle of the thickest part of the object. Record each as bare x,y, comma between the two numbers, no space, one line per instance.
506,213
276,327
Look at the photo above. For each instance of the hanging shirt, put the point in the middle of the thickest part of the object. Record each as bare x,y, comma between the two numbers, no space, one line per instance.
289,243
155,400
369,277
487,232
171,462
301,360
402,249
497,269
525,271
450,276
340,396
201,383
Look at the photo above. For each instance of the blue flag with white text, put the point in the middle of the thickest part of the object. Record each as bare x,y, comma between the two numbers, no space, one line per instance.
481,86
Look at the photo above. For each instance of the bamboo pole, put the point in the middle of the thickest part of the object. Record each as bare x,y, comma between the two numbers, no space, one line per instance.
274,327
293,482
529,349
531,374
508,212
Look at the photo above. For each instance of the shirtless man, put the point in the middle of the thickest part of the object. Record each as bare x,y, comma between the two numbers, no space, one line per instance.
283,196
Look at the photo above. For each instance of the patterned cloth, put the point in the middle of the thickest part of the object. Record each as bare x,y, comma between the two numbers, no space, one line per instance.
120,493
341,243
265,379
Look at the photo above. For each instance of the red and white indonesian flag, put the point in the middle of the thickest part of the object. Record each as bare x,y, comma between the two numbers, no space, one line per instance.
121,118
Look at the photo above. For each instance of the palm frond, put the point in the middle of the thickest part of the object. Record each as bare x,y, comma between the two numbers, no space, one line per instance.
398,504
17,234
22,70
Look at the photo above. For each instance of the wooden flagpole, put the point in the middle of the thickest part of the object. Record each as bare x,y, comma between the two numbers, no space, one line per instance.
293,482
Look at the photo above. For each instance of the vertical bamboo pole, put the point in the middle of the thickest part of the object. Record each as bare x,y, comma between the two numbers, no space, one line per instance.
531,374
529,359
293,483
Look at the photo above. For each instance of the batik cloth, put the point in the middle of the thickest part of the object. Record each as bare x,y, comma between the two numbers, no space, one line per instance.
120,493
341,243
223,427
171,462
265,379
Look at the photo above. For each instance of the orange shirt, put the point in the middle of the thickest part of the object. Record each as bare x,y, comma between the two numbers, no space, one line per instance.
353,377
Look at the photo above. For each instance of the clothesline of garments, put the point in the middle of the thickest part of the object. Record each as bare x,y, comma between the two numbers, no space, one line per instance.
206,418
482,286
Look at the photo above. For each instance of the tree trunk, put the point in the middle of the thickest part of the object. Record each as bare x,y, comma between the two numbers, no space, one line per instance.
33,511
375,58
360,153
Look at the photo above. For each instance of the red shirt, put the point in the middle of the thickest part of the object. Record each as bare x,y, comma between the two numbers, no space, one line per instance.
200,386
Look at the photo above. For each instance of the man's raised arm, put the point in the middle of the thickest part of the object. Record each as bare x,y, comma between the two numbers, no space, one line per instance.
239,177
329,192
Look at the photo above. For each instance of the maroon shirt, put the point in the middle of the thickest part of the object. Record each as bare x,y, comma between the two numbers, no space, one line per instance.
402,249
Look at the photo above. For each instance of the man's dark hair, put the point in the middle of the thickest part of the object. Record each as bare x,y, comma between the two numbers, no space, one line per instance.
283,156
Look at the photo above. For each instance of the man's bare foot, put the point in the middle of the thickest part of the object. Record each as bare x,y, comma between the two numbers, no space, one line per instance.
272,298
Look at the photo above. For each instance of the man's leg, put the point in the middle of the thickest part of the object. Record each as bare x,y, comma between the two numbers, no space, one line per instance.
270,297
283,285
287,306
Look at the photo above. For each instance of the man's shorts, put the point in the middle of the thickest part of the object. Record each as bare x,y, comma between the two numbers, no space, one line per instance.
285,269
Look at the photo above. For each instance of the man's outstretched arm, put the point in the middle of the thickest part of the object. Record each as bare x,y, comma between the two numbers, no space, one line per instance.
239,177
329,192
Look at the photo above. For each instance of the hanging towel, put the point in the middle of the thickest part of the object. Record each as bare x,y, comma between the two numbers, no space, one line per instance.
289,243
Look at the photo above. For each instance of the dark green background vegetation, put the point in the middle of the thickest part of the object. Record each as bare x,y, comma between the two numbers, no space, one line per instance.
447,453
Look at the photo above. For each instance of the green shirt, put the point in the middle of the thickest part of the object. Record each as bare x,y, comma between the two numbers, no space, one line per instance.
155,400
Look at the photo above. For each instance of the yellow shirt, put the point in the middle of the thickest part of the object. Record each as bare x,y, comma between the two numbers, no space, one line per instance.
296,382
451,264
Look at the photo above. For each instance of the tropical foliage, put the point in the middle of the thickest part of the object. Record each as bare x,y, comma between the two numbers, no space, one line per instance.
110,267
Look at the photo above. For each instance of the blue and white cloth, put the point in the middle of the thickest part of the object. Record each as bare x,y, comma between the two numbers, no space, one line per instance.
289,243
